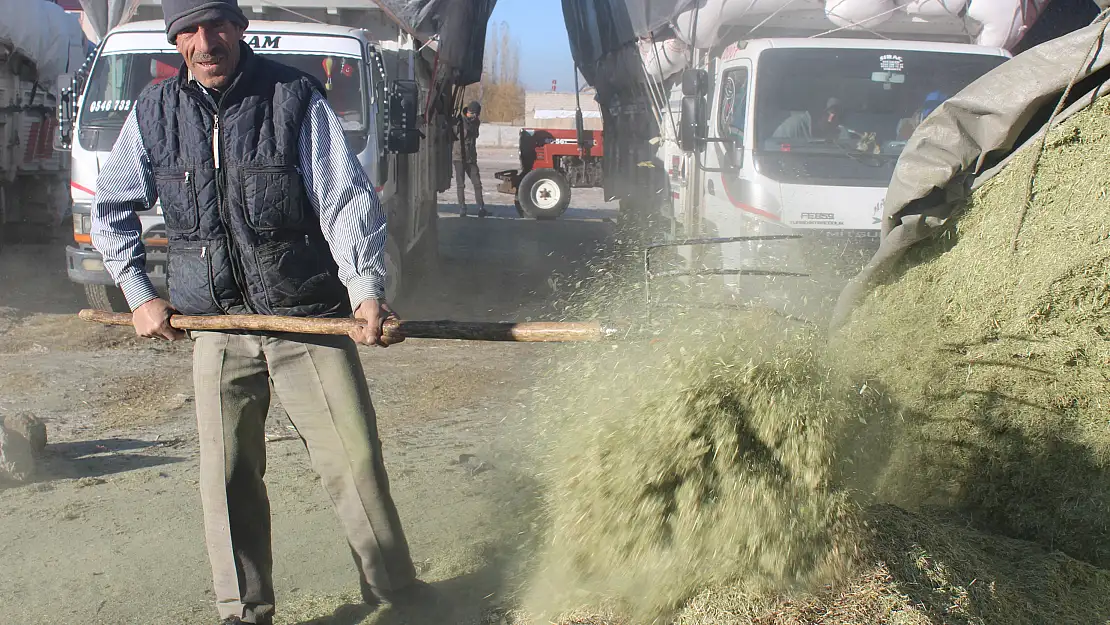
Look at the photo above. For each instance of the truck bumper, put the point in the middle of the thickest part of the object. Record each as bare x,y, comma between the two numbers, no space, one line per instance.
87,267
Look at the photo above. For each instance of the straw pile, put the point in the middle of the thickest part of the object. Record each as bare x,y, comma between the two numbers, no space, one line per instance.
717,477
998,361
691,462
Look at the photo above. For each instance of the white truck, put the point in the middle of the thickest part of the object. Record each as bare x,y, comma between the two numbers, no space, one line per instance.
777,125
38,42
798,137
377,77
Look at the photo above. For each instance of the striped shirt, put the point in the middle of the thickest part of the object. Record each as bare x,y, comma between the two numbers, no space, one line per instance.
338,189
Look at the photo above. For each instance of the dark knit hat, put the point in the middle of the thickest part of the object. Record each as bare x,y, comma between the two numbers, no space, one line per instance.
182,14
474,107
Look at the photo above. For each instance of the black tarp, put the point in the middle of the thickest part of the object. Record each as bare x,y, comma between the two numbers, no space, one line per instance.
460,26
603,36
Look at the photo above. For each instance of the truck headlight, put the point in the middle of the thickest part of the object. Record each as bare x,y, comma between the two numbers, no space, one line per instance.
82,223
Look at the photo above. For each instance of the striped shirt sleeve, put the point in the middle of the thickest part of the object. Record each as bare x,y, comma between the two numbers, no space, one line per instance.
343,197
125,185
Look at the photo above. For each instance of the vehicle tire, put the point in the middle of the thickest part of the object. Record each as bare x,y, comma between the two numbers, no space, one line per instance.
104,297
544,194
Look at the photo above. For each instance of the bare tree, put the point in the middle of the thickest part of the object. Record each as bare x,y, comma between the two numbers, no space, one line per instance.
500,91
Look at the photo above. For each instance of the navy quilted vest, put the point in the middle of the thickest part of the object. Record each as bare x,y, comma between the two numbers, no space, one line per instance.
243,237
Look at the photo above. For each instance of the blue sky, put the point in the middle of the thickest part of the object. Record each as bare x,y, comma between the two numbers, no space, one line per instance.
544,51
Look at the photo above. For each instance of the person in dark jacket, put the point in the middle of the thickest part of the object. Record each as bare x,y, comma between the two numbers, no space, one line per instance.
466,156
267,212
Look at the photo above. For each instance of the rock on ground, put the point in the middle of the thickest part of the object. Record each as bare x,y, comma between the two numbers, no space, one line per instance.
30,427
17,460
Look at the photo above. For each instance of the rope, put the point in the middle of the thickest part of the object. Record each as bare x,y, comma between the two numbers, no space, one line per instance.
1028,201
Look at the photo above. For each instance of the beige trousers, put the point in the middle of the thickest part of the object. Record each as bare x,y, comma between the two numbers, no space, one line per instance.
321,384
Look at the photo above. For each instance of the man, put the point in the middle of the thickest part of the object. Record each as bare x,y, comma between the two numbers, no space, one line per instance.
267,212
466,156
908,125
803,125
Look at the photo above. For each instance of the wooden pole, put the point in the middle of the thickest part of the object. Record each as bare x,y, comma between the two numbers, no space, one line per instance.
531,332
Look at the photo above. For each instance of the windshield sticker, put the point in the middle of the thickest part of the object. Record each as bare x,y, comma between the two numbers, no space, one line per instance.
264,42
104,106
891,63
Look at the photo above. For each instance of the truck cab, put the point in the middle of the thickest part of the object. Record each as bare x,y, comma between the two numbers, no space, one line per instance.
359,71
798,137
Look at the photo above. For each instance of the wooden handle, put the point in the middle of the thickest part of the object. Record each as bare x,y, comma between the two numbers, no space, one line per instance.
532,332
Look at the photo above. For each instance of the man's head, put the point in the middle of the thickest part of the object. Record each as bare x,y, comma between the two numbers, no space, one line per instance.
832,112
474,109
207,34
827,125
932,101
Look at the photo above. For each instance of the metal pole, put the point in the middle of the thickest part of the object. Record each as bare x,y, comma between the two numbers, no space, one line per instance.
578,123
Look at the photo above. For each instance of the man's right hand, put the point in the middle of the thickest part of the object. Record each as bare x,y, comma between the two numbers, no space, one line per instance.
152,321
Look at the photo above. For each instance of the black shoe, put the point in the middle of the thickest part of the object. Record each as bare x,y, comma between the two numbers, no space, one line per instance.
482,212
462,211
235,620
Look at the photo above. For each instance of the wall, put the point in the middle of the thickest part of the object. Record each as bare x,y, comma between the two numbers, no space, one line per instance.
492,135
540,106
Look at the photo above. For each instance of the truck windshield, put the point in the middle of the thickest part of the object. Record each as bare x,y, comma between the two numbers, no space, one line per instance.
118,79
842,116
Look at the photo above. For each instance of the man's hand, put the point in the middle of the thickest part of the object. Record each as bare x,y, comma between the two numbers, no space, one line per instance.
152,320
374,312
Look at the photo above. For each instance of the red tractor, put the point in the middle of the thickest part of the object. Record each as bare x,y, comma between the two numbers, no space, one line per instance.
552,162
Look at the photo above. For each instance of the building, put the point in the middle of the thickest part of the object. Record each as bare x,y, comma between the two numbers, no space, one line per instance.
547,109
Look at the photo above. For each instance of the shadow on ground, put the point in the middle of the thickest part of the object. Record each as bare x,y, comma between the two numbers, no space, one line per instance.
100,458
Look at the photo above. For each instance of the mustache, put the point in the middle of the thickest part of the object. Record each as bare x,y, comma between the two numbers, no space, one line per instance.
215,56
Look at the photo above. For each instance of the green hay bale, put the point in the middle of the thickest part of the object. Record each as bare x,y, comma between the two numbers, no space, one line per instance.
687,463
997,362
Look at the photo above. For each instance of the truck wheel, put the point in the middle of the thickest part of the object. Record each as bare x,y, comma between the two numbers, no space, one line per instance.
544,194
104,297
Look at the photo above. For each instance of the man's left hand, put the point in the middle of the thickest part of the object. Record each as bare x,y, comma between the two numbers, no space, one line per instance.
374,312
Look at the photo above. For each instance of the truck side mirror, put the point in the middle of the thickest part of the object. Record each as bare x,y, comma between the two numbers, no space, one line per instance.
66,111
404,111
692,123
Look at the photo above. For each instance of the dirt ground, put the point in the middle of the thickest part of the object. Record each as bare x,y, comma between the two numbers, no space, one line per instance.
111,530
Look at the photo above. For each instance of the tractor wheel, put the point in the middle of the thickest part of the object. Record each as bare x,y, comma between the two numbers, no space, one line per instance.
544,194
104,297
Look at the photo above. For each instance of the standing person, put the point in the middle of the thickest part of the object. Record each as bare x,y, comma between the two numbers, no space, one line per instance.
266,212
466,156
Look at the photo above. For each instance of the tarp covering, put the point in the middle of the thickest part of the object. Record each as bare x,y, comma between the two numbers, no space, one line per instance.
43,32
973,132
999,23
599,27
461,27
104,15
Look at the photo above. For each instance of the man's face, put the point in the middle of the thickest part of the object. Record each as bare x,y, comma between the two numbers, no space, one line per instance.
828,125
471,114
211,51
